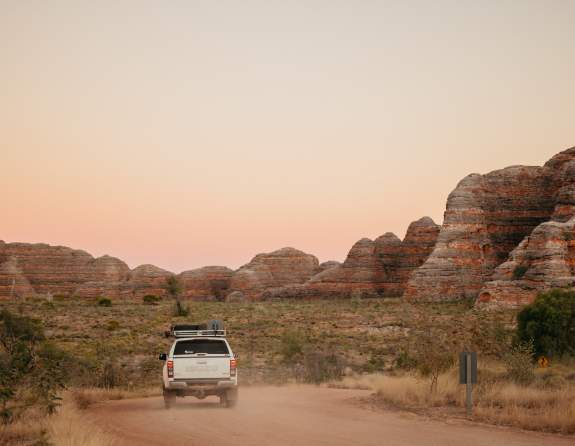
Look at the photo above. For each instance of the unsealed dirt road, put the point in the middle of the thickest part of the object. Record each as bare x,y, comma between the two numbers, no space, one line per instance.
290,416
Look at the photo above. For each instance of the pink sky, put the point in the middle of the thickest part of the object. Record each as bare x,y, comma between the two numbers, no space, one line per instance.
196,133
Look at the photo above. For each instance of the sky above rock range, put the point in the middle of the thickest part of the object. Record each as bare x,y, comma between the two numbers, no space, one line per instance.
197,133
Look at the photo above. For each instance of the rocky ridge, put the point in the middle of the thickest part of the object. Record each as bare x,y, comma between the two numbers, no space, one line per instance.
284,267
373,268
207,283
28,270
506,236
486,219
543,260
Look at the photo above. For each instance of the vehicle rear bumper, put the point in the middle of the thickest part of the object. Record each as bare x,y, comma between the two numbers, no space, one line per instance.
201,384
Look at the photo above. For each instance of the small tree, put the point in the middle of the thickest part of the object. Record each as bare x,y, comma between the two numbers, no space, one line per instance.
319,367
519,363
219,288
32,370
174,289
433,358
428,348
291,345
550,323
106,367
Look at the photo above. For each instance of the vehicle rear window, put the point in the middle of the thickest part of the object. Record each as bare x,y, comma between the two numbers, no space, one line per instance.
208,346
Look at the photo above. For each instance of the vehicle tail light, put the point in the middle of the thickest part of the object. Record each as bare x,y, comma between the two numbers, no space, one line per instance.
170,365
233,367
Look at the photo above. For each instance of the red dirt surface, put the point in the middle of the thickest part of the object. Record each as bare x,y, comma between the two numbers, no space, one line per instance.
295,415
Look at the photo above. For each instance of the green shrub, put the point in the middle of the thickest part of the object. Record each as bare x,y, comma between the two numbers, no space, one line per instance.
376,363
104,302
320,367
291,345
519,363
550,323
356,297
112,325
48,305
405,361
519,272
150,299
109,374
107,366
32,370
150,368
180,309
173,287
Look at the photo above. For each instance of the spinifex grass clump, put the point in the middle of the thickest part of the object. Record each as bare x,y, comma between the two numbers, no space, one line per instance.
150,299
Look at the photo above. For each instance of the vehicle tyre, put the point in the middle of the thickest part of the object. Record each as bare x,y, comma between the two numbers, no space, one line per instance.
169,399
231,397
223,399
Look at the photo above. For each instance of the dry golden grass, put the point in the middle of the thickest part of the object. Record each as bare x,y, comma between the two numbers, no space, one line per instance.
70,427
532,408
497,401
23,433
85,397
408,391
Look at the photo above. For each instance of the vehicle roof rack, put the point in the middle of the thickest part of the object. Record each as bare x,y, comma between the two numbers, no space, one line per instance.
212,328
197,333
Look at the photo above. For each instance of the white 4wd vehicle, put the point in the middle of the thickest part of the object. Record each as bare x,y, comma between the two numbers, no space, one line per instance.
200,363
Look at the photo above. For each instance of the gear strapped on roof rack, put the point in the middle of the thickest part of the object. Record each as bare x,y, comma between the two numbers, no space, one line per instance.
211,328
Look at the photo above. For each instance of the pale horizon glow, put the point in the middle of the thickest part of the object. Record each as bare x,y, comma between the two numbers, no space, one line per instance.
193,133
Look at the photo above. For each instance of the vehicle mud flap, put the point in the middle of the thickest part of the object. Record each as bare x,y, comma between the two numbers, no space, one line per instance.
229,398
169,398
